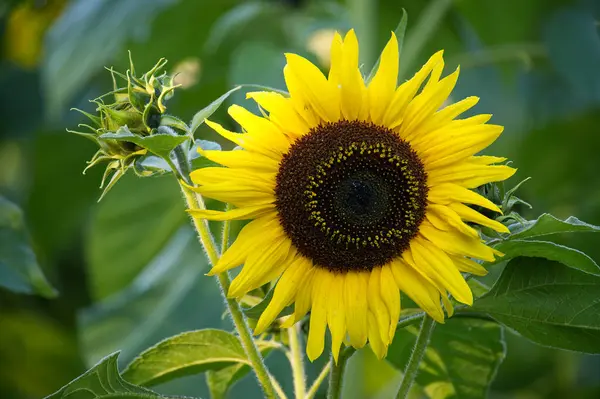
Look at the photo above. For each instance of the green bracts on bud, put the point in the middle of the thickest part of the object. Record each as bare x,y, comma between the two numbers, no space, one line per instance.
138,108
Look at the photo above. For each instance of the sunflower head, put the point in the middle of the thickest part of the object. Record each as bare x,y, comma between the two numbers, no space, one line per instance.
356,192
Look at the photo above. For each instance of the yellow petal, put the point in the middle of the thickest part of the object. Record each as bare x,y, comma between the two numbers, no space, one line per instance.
426,104
271,147
446,219
390,294
486,160
242,159
262,267
473,216
256,234
469,175
378,347
335,313
318,314
281,112
335,70
250,212
456,243
447,114
466,265
382,86
285,291
216,175
460,145
376,304
239,195
447,193
299,101
352,86
312,87
433,262
303,298
418,289
404,94
355,300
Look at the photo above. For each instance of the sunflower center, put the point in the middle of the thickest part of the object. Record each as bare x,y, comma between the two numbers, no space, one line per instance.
351,195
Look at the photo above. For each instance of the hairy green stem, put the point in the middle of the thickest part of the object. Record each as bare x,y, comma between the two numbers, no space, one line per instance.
296,361
412,368
195,201
312,392
336,376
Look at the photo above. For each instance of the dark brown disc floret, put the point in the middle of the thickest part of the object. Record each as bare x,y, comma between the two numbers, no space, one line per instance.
351,195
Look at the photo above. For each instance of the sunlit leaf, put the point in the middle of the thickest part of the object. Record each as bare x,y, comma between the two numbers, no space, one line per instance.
19,270
547,224
103,382
549,250
186,354
548,303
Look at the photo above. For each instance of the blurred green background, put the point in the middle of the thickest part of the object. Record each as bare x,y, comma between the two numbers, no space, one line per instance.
128,270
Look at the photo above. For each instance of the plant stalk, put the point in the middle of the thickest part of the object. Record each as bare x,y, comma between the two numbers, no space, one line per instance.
195,201
312,392
412,368
336,376
296,361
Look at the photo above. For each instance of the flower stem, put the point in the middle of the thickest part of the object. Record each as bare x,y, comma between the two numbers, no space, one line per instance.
296,362
317,383
412,368
337,373
195,201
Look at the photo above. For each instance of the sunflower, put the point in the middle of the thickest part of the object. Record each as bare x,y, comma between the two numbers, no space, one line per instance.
356,192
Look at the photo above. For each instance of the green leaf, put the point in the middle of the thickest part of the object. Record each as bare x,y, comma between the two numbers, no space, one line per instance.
19,270
210,109
547,224
548,303
219,381
461,360
186,354
400,31
103,381
255,311
160,144
549,250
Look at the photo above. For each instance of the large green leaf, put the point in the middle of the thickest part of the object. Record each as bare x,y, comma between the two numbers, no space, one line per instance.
129,228
548,303
547,224
103,382
186,354
19,270
461,360
549,250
